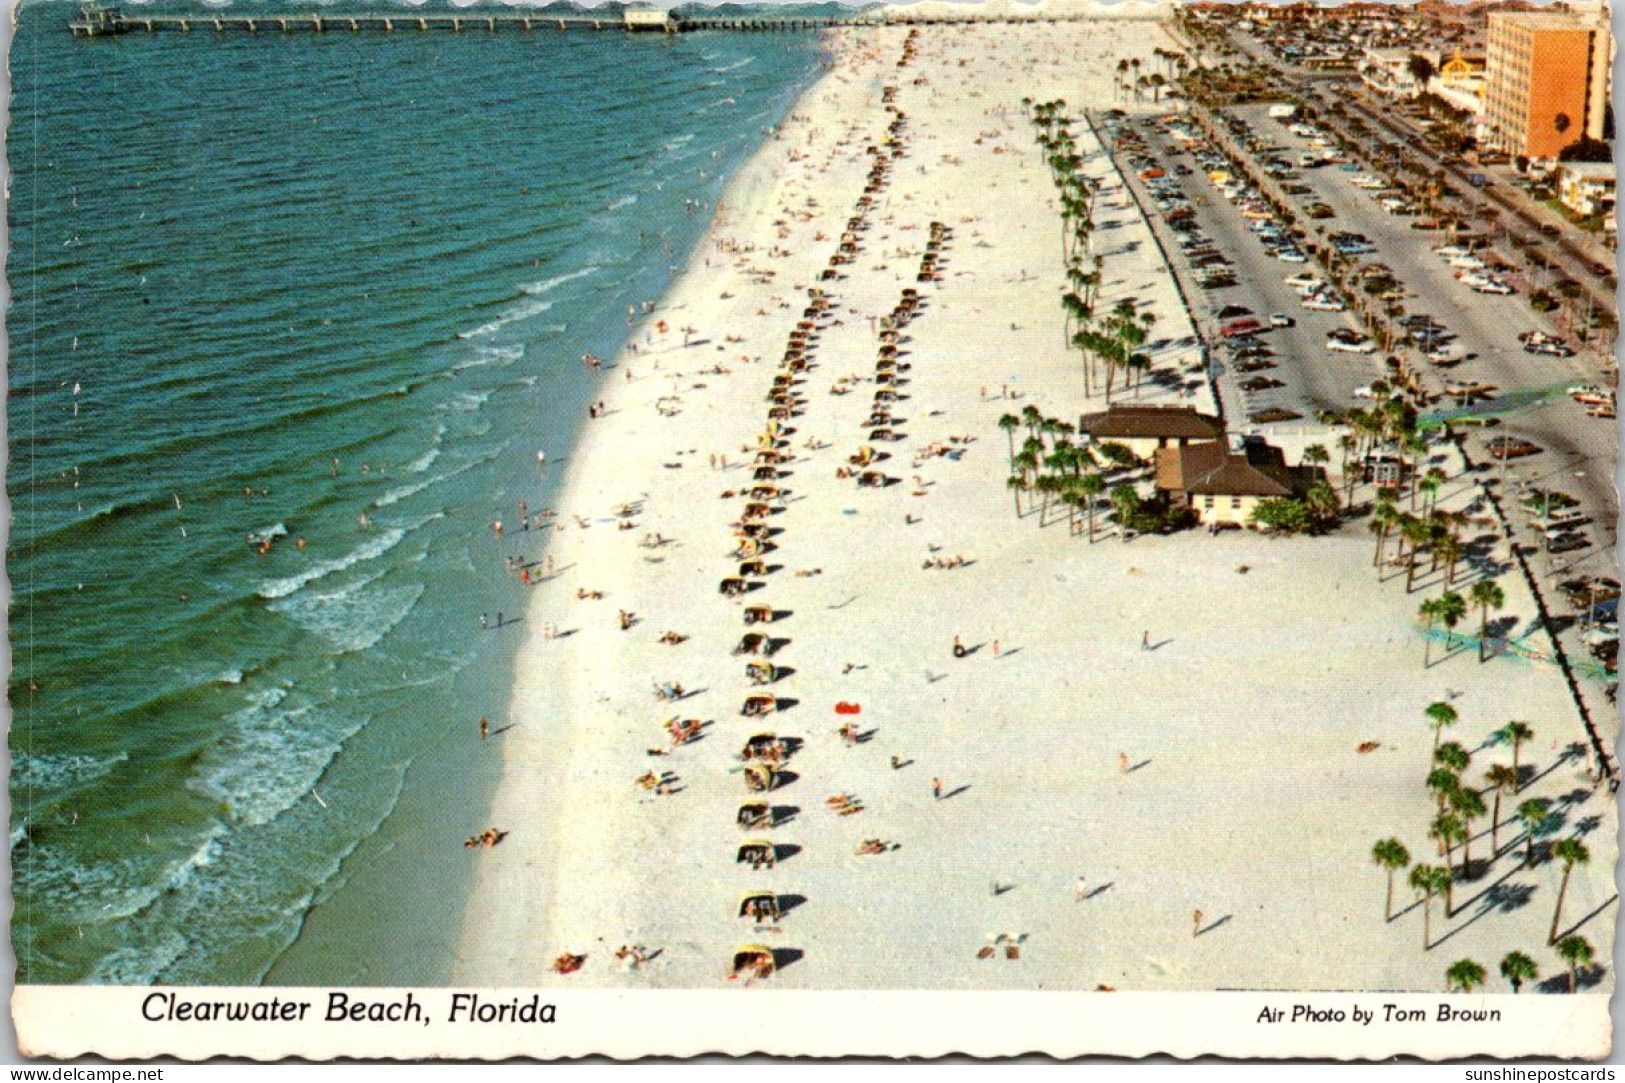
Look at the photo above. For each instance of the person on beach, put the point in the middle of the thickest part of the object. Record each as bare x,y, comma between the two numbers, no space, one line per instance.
1079,890
485,728
936,788
1196,923
1122,763
959,648
485,621
1145,641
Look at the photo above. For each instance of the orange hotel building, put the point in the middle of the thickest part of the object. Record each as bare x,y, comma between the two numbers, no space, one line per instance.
1539,83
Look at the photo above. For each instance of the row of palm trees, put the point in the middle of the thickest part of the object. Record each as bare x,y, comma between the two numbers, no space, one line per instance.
1058,471
1112,341
1458,805
1437,531
1465,975
1128,78
1450,608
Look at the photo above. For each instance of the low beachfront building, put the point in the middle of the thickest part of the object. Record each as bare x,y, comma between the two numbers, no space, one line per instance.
1222,483
1145,429
1389,71
1586,188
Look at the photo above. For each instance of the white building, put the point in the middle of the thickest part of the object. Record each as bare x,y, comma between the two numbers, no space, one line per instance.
1586,188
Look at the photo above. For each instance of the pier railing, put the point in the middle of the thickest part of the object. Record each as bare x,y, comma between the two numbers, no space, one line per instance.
95,20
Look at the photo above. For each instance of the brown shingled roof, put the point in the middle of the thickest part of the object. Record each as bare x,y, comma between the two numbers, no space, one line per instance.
1121,422
1215,470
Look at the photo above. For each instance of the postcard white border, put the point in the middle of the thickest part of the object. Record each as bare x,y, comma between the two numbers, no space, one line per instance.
71,1021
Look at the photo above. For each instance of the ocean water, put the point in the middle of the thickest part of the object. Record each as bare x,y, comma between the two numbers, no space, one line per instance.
263,287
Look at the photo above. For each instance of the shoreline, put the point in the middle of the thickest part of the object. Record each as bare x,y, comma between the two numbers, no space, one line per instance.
531,695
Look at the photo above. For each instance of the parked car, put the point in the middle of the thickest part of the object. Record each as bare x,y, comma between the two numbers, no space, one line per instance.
1346,341
1511,447
1281,319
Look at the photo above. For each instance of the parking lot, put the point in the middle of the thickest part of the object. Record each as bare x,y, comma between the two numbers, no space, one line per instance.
1530,399
1288,369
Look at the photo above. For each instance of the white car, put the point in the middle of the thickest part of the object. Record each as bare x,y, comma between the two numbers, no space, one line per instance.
1599,634
1351,343
1365,391
1304,283
1291,255
1323,304
1445,353
1450,251
1467,263
1493,286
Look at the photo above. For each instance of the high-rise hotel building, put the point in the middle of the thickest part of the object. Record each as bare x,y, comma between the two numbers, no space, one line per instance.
1546,80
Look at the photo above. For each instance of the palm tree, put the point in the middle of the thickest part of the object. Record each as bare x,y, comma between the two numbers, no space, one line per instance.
1487,595
1440,715
1447,830
1010,423
1448,550
1076,311
1017,484
1074,499
1427,881
1500,777
1575,951
1417,533
1048,485
1125,502
1442,781
1429,613
1452,757
1532,814
1518,968
1430,483
1452,608
1517,733
1091,485
1032,419
1468,804
1571,852
1464,975
1391,855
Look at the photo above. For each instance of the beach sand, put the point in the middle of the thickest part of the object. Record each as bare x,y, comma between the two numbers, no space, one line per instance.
1274,659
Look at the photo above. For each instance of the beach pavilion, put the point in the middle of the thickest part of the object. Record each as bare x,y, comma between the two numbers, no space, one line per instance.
1223,484
1145,429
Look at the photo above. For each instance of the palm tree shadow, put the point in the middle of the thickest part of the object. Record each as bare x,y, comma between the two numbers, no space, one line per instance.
1576,927
1214,924
1497,897
1559,983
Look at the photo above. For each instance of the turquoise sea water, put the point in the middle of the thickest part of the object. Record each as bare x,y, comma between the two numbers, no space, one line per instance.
233,261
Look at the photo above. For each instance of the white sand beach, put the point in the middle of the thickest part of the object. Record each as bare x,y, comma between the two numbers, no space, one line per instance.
1246,798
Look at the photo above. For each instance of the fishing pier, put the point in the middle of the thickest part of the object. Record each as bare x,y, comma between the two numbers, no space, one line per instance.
94,21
